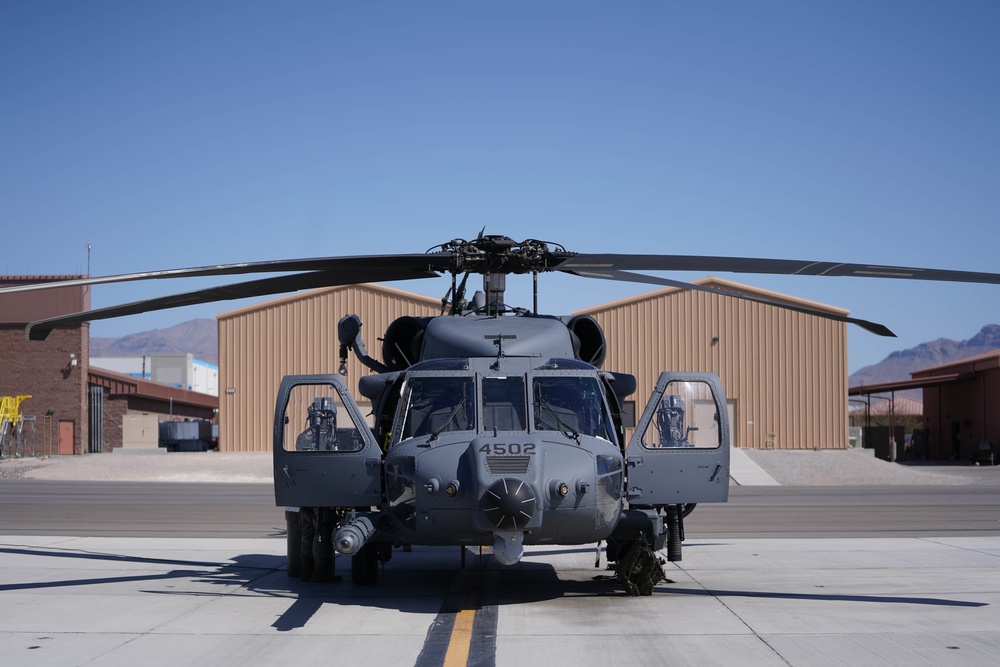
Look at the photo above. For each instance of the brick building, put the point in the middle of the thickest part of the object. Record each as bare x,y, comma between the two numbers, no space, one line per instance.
116,401
961,401
53,372
75,408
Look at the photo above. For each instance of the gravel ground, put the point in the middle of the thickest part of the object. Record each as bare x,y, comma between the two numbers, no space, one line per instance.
156,465
790,468
859,467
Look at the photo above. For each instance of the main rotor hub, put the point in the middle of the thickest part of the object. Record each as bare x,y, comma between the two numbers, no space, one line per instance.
502,255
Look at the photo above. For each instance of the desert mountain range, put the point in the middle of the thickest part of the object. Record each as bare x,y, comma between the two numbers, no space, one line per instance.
199,337
899,365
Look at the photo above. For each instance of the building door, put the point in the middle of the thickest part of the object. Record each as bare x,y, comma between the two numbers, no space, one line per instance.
67,435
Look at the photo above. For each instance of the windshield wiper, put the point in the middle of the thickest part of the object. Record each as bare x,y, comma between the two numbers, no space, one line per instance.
566,430
446,422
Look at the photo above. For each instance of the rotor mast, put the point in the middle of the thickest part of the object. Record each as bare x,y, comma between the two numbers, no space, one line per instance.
496,256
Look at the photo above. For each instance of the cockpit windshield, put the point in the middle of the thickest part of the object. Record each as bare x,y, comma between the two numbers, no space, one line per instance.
503,404
434,405
573,405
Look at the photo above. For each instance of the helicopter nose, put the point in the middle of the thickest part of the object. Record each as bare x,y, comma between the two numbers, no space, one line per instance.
509,504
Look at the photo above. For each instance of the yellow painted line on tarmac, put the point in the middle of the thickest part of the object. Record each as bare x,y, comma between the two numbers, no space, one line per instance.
461,639
464,630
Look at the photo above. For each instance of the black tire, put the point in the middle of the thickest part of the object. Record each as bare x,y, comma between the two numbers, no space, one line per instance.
364,566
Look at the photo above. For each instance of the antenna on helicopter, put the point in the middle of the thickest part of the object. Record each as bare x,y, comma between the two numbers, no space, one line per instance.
498,341
444,299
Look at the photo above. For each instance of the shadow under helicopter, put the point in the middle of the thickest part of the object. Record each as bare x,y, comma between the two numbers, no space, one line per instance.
431,580
427,580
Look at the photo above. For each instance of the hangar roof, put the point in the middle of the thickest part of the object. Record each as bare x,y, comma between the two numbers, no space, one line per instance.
725,286
119,384
974,364
375,287
953,371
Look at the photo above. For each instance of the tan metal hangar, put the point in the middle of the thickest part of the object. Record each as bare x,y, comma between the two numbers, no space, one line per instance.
784,372
296,334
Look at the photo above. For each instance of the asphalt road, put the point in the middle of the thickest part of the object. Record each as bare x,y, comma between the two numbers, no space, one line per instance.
160,509
139,509
887,511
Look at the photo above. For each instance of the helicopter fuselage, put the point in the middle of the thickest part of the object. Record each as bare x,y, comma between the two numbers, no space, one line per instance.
522,446
553,471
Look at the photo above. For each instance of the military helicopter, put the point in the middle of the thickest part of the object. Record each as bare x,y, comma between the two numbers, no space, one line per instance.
493,426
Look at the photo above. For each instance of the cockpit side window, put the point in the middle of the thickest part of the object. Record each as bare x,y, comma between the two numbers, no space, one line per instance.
503,404
434,405
686,416
316,420
572,405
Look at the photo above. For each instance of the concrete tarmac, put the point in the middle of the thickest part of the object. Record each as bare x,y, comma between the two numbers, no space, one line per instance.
108,601
148,601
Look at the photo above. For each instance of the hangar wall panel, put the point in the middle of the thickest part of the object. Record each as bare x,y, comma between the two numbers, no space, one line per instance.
784,373
295,335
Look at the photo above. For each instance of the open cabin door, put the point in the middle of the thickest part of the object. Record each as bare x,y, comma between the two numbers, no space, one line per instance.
679,452
324,453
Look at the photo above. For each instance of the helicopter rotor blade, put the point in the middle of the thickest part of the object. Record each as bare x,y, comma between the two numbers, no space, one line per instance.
626,276
40,330
372,265
484,255
609,262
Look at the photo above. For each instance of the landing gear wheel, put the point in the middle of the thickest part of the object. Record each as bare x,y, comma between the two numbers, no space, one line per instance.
364,566
639,569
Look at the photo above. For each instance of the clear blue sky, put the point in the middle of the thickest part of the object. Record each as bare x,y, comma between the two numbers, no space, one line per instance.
190,133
